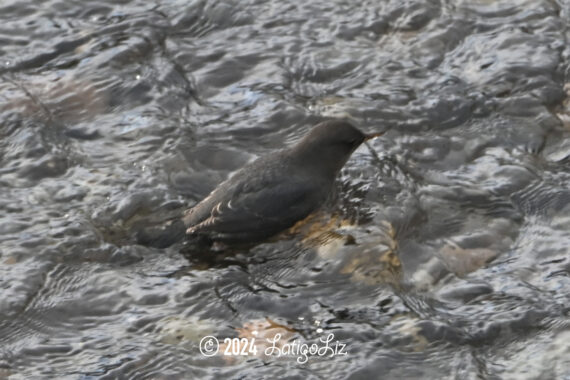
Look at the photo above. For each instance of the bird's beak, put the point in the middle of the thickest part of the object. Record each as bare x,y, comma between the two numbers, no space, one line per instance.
373,135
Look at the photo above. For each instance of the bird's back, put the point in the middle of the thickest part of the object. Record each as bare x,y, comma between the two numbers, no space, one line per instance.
263,198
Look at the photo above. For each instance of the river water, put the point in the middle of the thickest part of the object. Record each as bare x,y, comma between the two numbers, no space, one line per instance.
443,253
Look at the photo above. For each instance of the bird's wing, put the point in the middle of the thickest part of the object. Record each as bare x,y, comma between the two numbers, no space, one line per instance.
265,210
202,210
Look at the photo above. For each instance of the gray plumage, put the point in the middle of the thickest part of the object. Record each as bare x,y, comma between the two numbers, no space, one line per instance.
275,191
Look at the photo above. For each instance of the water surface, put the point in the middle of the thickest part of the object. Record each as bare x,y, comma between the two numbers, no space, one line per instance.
443,253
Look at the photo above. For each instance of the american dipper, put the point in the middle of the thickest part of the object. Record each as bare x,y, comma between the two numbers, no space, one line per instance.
276,191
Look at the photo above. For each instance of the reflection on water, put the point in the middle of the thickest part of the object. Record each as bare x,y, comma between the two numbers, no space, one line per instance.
443,252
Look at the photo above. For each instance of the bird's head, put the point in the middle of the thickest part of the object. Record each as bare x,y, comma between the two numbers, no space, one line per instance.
331,143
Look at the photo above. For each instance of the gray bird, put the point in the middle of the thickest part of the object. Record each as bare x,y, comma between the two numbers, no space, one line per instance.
274,192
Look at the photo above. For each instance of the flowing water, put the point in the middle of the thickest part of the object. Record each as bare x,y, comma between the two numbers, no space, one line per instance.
443,253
